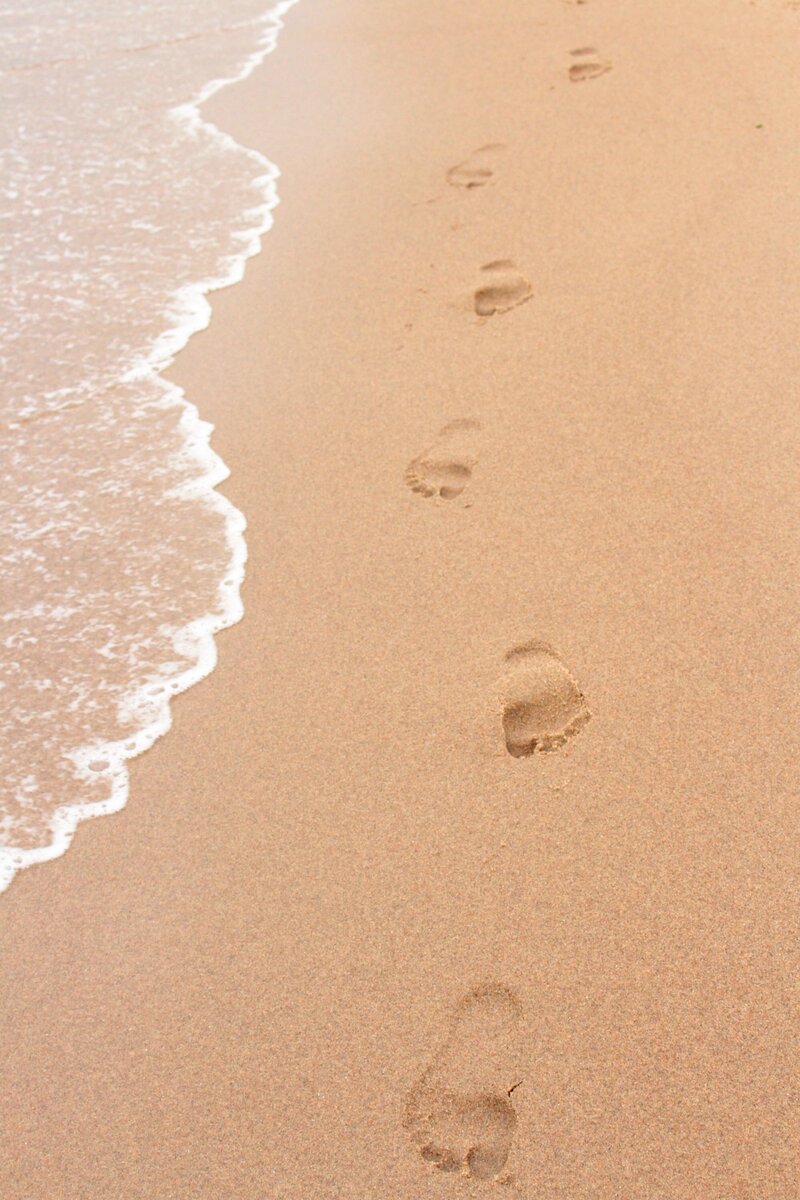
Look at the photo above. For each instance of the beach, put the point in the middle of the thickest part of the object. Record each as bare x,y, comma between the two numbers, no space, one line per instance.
508,395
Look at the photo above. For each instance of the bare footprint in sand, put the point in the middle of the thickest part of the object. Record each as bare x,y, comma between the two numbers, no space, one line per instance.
590,67
460,1115
446,467
542,703
503,288
477,170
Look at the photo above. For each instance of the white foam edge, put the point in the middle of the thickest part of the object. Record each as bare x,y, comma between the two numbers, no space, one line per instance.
190,312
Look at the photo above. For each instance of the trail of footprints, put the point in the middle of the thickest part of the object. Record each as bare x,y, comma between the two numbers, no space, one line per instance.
502,286
460,1114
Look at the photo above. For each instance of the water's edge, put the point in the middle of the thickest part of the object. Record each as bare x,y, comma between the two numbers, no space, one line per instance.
189,311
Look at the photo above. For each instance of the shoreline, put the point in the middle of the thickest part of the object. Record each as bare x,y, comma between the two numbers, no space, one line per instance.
242,984
187,311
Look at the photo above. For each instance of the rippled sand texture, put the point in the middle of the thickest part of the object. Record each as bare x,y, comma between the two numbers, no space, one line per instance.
119,561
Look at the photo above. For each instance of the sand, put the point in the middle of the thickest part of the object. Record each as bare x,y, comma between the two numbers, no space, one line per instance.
342,943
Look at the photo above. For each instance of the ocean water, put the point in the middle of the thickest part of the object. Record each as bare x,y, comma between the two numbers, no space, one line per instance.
121,208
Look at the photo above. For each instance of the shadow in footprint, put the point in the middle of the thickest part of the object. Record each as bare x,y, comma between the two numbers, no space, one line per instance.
459,1115
542,703
591,68
503,288
477,170
446,467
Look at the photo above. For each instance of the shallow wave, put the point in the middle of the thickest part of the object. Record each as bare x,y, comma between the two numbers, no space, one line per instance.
121,561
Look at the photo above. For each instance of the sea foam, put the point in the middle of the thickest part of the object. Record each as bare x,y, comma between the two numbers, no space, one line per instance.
121,562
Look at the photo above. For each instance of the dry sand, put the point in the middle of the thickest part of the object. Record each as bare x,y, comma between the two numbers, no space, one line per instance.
341,936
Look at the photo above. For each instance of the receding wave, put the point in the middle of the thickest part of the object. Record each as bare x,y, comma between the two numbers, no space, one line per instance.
120,561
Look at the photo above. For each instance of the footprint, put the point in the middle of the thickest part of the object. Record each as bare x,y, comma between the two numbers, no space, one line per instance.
542,703
446,467
477,170
503,289
460,1115
591,69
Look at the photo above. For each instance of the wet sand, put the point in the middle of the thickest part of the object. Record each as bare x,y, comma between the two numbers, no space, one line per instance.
356,936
